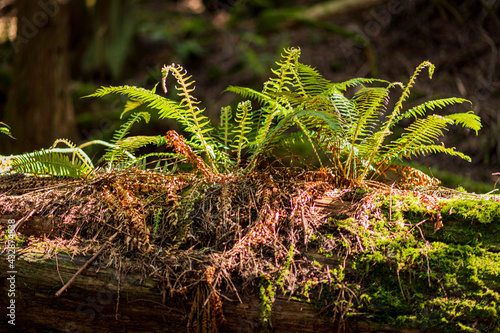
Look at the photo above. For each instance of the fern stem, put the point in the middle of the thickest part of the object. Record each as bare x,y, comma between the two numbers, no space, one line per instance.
190,103
107,144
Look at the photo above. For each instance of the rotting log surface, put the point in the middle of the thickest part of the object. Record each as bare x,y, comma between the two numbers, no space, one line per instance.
92,303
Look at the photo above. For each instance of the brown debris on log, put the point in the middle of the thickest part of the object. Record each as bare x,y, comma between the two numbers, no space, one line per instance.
188,252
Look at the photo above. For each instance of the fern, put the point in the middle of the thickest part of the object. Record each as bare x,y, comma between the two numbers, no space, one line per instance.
243,128
186,112
5,129
226,114
54,162
466,119
199,124
296,105
122,146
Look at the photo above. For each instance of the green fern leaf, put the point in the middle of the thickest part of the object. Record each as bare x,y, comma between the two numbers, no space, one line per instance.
198,124
406,91
467,119
342,86
421,133
225,127
50,162
421,110
243,128
117,152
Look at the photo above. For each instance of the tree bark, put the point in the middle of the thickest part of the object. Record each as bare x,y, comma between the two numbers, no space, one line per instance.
39,107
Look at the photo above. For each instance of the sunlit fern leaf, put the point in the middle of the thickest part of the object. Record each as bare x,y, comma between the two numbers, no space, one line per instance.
406,92
435,149
393,116
342,86
5,129
421,133
225,126
130,105
74,151
369,104
249,93
421,109
345,108
49,162
275,133
286,75
466,119
166,108
132,143
313,82
243,128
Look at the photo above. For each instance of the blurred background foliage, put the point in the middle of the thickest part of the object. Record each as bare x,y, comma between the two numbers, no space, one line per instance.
223,42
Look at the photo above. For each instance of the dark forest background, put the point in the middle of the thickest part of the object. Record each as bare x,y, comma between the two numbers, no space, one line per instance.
53,52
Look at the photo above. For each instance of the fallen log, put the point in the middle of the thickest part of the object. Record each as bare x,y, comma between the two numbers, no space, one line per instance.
99,300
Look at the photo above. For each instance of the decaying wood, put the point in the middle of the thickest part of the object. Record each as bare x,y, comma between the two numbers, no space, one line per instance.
67,284
90,304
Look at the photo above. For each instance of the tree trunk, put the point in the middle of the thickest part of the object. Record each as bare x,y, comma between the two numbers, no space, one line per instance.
39,106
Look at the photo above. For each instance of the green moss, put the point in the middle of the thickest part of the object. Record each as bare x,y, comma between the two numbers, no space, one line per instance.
267,294
474,210
413,276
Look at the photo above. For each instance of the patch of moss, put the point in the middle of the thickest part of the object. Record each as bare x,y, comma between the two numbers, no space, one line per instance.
412,276
474,210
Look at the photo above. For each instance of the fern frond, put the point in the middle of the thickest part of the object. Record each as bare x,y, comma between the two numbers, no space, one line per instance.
466,119
406,91
369,104
342,86
225,127
396,111
134,103
199,124
434,149
130,105
312,81
345,108
249,93
165,107
76,152
5,129
421,110
132,143
54,162
275,132
421,133
117,152
243,128
286,73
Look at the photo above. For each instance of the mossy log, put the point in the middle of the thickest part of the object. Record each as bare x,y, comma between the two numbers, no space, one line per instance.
385,260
